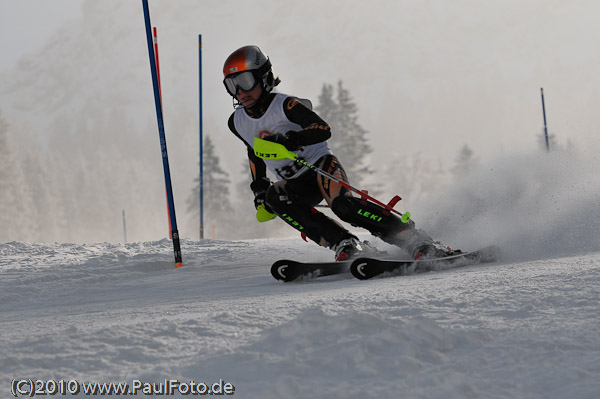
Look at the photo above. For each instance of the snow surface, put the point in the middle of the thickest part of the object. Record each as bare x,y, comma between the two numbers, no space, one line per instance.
116,312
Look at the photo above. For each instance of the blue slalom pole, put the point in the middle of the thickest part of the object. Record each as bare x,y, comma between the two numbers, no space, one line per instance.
545,126
161,133
201,176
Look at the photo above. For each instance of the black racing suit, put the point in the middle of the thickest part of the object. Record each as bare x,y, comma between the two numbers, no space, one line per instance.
294,200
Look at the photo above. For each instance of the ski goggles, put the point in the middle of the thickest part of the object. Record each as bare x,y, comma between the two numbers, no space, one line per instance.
243,80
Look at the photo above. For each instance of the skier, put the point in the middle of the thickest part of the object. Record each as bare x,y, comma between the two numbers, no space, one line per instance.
290,121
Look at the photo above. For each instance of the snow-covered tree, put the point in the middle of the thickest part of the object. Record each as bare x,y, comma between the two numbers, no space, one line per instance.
349,141
216,204
327,108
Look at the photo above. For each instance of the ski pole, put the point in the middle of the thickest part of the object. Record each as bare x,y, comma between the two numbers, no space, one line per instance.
275,151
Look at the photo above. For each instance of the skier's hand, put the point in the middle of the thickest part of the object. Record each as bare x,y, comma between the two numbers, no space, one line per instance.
288,140
259,187
263,212
259,199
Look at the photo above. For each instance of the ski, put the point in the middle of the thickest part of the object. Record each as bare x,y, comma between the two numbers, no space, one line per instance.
289,270
365,268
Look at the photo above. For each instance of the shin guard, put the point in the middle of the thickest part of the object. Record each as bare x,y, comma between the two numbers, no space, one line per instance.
379,221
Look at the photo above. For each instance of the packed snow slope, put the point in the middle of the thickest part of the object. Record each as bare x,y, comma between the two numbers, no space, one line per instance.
115,313
524,327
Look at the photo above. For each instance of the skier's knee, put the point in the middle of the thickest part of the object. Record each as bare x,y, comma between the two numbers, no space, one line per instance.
344,207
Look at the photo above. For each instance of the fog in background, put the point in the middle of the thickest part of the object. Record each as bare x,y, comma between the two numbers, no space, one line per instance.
427,77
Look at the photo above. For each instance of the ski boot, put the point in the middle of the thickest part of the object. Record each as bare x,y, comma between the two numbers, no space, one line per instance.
434,250
351,247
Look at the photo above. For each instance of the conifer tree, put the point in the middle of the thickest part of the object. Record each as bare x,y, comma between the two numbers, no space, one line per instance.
327,108
215,189
348,138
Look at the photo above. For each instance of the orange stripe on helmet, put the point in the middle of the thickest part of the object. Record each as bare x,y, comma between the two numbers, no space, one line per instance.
236,62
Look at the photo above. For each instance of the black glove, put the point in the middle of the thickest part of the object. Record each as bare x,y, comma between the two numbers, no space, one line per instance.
259,199
259,188
263,212
289,140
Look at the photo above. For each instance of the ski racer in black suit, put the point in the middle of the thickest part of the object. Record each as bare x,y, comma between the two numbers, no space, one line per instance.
290,121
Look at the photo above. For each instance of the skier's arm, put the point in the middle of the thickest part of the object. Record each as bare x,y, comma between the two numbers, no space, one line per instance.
257,166
314,129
